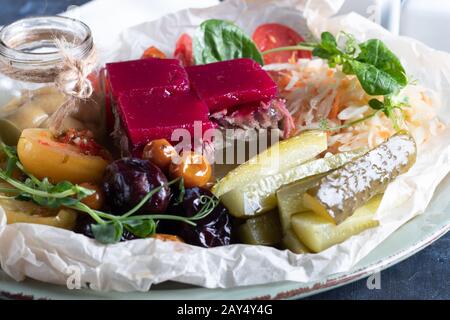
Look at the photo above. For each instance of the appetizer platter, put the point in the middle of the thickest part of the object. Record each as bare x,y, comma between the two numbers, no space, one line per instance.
277,146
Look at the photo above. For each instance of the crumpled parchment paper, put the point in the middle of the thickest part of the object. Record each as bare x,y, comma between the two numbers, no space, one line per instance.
49,254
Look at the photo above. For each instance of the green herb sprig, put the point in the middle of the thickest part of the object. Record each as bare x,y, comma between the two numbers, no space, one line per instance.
377,68
108,228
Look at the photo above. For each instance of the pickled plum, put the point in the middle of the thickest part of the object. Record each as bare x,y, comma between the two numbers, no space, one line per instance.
212,231
128,180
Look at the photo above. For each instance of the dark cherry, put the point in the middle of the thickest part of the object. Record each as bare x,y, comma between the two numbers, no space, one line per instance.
128,180
212,231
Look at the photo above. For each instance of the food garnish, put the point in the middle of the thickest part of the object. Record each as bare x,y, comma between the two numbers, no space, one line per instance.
377,68
183,50
274,35
219,40
106,227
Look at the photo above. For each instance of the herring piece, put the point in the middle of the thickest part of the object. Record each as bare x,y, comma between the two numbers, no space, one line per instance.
226,84
338,194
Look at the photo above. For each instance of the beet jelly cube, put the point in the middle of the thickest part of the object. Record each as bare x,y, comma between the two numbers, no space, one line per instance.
155,115
229,83
146,75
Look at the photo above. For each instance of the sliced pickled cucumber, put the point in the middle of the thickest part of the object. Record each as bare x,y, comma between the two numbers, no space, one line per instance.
339,193
260,196
278,158
291,242
261,230
318,233
290,199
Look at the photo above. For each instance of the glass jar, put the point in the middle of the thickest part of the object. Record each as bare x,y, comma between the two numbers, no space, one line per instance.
45,63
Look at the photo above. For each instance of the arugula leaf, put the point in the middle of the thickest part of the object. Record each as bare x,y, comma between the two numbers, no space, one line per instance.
142,228
219,40
107,233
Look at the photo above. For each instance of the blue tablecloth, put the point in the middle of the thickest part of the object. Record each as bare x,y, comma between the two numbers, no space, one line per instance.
425,275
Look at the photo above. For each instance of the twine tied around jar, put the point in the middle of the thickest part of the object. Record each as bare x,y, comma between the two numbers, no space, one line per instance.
70,76
67,65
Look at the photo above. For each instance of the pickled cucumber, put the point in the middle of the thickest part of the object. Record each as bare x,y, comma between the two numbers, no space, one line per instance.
278,158
290,199
339,193
261,230
291,242
260,196
318,233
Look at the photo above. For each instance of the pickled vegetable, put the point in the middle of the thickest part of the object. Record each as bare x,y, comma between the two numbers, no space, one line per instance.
318,233
31,110
260,196
261,230
45,157
167,237
95,201
28,212
128,180
278,158
291,242
160,152
339,193
290,199
194,168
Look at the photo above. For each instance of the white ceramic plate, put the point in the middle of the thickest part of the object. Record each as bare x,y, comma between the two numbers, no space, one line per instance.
406,241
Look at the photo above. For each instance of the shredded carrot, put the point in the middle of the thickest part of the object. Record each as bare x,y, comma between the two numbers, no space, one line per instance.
335,107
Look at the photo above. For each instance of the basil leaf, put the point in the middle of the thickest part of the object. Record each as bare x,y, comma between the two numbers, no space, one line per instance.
322,53
328,42
140,227
374,81
376,53
219,40
107,233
